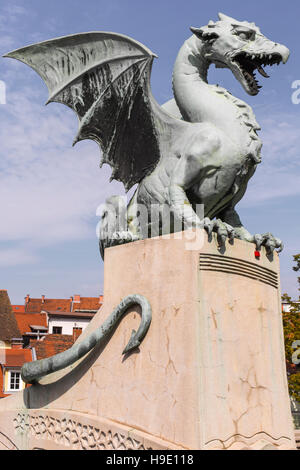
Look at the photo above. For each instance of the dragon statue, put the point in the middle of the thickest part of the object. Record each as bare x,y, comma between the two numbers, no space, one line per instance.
200,148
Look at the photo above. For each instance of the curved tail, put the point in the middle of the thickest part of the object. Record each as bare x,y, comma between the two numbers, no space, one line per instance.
33,371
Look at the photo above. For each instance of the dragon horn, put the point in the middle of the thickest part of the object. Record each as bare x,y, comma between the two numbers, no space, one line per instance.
197,31
223,17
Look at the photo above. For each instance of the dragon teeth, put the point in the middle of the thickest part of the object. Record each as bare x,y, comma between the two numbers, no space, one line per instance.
262,72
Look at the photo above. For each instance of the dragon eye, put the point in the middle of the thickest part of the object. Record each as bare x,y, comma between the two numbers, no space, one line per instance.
246,35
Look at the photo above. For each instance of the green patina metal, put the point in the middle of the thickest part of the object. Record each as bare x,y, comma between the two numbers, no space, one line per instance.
33,371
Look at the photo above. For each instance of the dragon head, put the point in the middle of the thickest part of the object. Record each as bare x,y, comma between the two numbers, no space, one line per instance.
241,47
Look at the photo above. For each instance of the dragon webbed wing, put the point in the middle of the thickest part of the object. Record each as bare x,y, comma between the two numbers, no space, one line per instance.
105,78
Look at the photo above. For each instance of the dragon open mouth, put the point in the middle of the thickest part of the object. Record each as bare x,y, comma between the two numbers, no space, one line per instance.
249,63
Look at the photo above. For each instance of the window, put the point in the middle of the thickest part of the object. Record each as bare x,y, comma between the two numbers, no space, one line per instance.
14,381
57,330
76,333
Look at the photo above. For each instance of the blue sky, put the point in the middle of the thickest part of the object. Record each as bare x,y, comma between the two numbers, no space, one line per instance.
49,191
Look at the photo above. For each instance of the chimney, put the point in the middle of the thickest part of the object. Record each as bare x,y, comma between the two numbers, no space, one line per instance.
27,298
17,343
100,299
76,299
43,299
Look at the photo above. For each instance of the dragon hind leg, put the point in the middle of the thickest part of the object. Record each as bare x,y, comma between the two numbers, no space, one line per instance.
113,226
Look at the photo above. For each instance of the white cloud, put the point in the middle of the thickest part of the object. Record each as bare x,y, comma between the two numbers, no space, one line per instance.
13,18
49,191
278,175
17,256
10,14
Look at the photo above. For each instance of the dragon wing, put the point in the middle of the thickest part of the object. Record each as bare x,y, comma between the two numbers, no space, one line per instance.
105,78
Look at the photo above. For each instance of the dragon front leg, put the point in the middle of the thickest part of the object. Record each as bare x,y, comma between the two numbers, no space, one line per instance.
183,211
182,208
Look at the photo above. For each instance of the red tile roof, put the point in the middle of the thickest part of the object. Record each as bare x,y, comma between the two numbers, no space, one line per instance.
64,305
87,303
24,320
37,305
16,357
18,308
51,345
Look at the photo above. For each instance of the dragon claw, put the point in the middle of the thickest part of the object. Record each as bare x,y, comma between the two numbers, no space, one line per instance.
258,240
280,245
270,243
225,231
119,238
208,226
222,229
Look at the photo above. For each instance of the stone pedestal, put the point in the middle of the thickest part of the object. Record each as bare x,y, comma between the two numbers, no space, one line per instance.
210,373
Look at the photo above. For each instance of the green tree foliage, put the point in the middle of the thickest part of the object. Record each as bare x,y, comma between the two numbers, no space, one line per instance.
291,324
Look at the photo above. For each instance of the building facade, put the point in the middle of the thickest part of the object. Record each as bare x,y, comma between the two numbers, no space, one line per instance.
38,329
12,354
